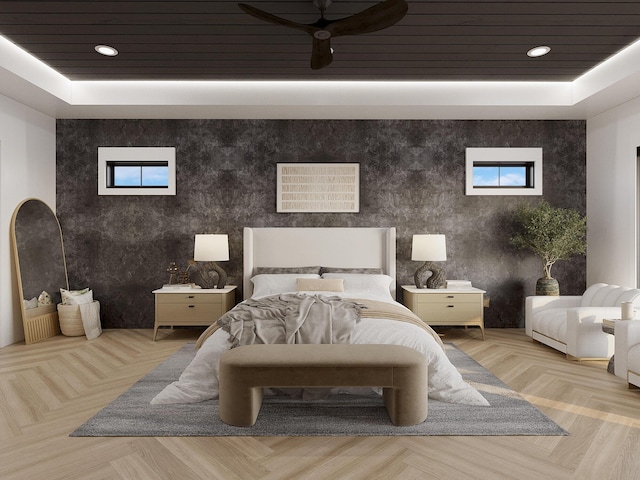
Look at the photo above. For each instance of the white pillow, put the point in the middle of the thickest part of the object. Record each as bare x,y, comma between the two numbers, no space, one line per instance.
33,303
76,297
320,285
366,285
275,283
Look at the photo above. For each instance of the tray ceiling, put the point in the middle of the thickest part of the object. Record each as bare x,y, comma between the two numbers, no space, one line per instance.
215,40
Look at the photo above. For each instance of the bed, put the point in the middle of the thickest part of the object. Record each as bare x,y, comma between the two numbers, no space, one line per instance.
345,268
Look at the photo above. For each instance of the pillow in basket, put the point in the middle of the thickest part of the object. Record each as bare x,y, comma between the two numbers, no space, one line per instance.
76,297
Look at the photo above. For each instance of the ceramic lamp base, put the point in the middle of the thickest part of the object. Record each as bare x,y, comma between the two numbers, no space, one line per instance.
437,279
205,275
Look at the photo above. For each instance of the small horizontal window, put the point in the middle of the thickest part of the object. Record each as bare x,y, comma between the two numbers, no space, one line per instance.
504,171
506,175
136,171
137,174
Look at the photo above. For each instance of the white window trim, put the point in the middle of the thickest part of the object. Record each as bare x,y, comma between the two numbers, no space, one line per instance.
504,154
136,154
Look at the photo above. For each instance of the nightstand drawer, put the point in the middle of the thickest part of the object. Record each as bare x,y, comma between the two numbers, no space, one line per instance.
449,313
189,298
457,298
178,313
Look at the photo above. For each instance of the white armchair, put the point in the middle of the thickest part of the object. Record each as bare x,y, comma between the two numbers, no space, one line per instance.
627,360
573,324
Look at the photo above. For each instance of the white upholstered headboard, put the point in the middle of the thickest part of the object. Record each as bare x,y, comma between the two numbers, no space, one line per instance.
328,247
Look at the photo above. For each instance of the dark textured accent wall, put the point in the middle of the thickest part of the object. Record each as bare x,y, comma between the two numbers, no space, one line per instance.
412,176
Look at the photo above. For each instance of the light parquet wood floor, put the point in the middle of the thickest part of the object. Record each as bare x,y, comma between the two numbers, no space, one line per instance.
48,389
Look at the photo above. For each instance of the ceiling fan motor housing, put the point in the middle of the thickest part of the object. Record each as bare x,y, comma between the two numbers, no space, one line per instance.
322,34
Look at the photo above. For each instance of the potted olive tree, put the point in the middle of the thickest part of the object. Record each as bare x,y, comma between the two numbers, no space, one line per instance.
551,233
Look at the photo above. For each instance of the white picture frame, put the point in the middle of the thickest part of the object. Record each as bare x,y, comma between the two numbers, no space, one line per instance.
318,187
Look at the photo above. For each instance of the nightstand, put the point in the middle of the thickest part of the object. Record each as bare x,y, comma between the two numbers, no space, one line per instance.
446,307
191,306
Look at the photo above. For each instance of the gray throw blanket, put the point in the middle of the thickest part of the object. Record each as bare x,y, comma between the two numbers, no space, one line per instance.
291,318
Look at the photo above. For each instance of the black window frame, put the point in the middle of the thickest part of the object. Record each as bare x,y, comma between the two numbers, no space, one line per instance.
111,164
529,174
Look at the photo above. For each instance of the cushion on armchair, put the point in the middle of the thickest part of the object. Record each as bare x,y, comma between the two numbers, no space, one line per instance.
603,295
588,297
631,295
552,323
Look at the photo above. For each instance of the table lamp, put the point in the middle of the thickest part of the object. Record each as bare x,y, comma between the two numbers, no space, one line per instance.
211,248
429,248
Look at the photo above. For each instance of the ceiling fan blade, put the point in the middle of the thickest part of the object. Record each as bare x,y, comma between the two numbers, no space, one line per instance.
321,55
372,19
267,17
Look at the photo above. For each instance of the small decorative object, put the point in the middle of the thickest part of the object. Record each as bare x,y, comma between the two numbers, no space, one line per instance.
429,248
184,276
173,270
551,233
458,284
627,311
210,248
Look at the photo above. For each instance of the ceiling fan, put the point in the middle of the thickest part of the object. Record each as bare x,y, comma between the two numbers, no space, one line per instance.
372,19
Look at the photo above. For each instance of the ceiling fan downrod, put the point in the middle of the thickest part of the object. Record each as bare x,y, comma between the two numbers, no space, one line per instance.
322,6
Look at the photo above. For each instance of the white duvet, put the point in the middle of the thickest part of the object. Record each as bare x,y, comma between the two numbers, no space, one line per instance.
199,381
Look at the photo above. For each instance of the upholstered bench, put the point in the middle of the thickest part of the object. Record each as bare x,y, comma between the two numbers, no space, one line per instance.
401,371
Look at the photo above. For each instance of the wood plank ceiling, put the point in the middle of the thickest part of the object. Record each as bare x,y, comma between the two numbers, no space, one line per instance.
215,40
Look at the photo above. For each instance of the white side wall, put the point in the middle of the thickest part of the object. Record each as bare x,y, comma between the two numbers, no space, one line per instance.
27,169
612,141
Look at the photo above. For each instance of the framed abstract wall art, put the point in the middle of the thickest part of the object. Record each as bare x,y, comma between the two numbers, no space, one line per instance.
318,187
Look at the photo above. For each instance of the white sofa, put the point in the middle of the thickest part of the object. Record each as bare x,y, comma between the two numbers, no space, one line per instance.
572,324
627,359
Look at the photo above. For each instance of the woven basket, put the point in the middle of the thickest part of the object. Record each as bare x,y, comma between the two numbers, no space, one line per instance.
70,320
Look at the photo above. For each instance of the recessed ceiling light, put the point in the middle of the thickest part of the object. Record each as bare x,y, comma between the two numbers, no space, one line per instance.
106,50
539,51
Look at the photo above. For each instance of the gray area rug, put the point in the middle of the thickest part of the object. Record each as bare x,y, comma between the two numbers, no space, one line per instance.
340,415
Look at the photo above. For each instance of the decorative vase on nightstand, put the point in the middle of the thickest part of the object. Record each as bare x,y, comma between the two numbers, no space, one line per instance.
547,286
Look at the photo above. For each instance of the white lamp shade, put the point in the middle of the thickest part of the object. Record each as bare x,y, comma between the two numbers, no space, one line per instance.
429,248
211,248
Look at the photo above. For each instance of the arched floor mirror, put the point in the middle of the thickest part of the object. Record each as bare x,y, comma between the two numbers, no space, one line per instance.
40,263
